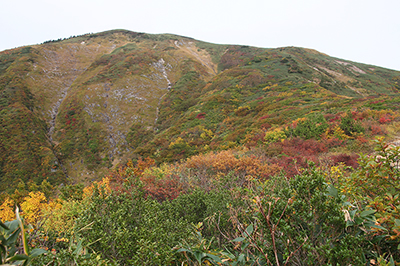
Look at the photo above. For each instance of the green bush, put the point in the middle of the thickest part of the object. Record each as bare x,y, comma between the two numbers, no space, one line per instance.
312,222
130,229
209,208
313,127
295,222
350,126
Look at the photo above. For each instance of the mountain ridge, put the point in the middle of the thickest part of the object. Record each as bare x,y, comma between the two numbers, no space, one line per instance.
96,100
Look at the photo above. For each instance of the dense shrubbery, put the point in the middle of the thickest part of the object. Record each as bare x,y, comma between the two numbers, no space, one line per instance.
318,217
132,230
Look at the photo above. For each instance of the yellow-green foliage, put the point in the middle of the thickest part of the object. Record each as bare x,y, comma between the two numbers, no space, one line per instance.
62,218
274,135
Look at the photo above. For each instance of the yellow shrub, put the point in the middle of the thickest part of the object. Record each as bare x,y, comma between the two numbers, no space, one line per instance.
33,206
105,183
178,141
7,210
274,135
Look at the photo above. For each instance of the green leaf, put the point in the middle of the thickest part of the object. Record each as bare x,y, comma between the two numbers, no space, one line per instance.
13,225
397,222
78,249
250,229
19,257
183,250
214,258
378,226
391,261
26,262
36,252
367,213
199,256
332,191
13,238
245,245
4,226
352,214
239,239
2,251
349,223
241,258
358,220
228,254
347,203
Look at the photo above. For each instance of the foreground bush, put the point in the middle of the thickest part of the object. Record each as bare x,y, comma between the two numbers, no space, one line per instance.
336,216
293,222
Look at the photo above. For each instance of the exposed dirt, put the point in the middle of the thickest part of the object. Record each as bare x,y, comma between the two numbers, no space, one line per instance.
201,55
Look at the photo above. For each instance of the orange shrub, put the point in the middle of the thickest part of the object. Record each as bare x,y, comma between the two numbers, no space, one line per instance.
228,161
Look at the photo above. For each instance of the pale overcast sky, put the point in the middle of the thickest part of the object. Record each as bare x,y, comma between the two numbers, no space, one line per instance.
366,31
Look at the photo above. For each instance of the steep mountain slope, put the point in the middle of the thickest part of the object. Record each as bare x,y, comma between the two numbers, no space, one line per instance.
258,90
73,108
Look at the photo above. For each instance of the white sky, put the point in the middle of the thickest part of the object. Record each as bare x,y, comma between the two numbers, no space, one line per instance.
366,31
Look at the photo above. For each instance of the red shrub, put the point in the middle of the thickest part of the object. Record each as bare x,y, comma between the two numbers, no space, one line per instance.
334,142
299,146
349,160
265,126
257,138
162,189
362,139
292,165
337,117
201,116
377,130
385,119
295,153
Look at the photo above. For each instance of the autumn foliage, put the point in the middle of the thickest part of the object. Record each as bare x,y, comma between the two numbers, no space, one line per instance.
265,155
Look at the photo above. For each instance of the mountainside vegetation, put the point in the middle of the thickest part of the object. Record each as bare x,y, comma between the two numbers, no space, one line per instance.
154,149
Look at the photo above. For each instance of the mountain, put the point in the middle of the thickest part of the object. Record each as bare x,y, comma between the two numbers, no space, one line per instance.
71,109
